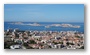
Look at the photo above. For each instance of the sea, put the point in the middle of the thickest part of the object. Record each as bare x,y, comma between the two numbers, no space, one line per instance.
7,25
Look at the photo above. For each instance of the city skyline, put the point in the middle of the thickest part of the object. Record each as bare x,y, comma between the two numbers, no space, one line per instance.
44,12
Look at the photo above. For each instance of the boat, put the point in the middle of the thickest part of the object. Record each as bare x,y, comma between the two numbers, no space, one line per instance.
47,26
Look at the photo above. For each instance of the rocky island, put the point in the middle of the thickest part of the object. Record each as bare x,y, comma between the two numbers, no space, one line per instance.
65,25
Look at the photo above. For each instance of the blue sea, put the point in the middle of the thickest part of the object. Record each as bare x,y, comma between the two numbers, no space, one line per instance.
7,25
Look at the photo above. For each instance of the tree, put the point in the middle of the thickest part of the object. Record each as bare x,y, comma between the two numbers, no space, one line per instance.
31,42
81,47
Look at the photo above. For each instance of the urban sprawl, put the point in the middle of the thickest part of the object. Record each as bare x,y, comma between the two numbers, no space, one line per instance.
16,39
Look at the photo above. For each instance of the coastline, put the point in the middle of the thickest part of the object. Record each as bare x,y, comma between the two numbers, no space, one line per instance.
46,26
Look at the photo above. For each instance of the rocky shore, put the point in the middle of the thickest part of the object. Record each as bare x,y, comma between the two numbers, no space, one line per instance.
55,25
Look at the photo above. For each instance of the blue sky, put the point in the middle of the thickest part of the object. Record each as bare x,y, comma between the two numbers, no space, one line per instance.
44,12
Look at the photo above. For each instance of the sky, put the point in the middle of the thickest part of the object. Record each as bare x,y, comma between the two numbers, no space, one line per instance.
44,12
